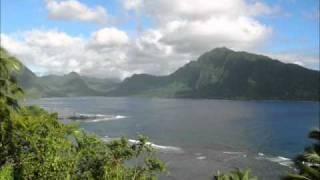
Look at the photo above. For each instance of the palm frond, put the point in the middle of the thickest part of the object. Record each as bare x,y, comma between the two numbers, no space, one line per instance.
315,134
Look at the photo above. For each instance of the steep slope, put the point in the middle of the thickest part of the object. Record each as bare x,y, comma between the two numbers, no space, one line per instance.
73,84
101,85
67,85
30,83
26,78
227,74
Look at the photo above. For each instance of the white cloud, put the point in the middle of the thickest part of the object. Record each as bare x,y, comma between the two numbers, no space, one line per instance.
302,59
51,39
73,10
199,36
132,4
115,56
199,9
187,28
108,52
60,53
148,55
108,37
183,30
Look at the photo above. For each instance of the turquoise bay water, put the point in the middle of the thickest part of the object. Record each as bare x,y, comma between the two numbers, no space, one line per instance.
198,137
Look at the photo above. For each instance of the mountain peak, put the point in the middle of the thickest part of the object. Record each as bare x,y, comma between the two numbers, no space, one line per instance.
73,74
226,74
221,49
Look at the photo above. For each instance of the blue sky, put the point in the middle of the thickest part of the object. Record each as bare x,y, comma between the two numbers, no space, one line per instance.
24,15
280,28
299,29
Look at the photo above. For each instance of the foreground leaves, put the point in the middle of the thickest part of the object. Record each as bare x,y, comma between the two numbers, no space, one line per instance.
308,164
35,145
235,175
48,149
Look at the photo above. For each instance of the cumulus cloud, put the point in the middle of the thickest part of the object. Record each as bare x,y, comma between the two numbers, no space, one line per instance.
132,4
199,36
148,55
60,53
200,9
108,37
108,52
193,27
73,10
183,30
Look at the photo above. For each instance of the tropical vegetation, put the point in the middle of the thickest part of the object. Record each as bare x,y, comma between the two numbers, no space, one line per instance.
308,163
35,145
235,175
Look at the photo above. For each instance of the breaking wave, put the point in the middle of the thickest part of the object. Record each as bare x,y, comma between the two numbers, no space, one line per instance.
261,156
235,153
95,117
231,152
278,159
155,146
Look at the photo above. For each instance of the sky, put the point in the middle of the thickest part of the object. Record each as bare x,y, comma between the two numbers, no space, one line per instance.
118,38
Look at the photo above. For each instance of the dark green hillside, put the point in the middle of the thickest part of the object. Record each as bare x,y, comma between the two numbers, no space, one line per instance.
226,74
139,83
220,73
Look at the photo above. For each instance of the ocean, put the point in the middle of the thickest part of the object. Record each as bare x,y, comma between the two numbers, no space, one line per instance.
198,138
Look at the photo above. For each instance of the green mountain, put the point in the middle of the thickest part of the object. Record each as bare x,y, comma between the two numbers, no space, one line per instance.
220,73
66,85
226,74
71,84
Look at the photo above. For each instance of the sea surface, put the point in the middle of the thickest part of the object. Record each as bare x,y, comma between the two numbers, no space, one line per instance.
196,138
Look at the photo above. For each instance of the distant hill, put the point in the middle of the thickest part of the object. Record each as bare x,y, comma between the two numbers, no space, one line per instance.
226,74
71,84
220,74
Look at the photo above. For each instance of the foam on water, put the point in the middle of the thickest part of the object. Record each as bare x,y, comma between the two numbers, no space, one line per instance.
278,159
231,152
156,146
98,117
201,157
92,115
236,153
107,119
261,156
